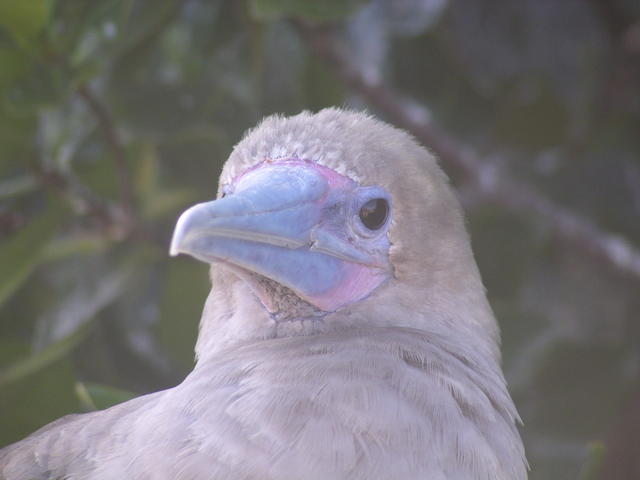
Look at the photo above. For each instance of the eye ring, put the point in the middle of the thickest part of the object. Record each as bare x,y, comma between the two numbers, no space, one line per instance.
371,210
374,213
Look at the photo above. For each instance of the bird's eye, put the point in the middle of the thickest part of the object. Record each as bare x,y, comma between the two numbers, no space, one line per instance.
374,213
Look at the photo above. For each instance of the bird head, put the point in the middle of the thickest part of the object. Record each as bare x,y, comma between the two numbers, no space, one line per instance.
299,224
333,220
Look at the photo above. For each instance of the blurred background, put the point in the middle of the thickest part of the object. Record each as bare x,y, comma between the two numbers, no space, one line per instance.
115,115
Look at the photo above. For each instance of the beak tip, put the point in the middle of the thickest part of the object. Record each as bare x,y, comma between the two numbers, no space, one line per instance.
179,233
174,248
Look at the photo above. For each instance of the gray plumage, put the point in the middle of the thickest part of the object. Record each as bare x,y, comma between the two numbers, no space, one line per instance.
404,383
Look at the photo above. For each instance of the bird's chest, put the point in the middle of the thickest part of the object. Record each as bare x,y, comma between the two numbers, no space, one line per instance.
323,416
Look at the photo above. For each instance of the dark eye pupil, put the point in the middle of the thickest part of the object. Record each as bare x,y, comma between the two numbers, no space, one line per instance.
374,213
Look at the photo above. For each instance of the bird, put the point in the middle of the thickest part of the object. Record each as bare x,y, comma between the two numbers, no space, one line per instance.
347,334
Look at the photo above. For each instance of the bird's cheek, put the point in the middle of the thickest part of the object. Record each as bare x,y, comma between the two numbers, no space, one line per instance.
355,282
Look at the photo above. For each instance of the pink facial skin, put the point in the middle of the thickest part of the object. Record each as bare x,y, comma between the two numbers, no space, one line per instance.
327,263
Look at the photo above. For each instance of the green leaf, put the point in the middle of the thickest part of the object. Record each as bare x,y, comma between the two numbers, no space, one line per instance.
329,10
94,396
147,171
22,402
75,245
155,200
21,253
17,137
181,308
18,185
24,20
166,202
593,466
13,64
45,357
83,302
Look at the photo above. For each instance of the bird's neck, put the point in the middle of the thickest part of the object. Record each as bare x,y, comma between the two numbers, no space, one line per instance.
234,315
444,385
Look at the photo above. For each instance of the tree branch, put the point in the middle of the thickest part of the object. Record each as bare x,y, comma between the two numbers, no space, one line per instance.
488,182
78,194
109,131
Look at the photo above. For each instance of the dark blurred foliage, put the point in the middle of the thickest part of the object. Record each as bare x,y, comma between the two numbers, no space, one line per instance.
115,115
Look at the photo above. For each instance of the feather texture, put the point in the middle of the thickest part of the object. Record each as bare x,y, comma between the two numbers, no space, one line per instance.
405,383
382,403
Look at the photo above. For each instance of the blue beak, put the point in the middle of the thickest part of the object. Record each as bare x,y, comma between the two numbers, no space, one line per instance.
280,222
